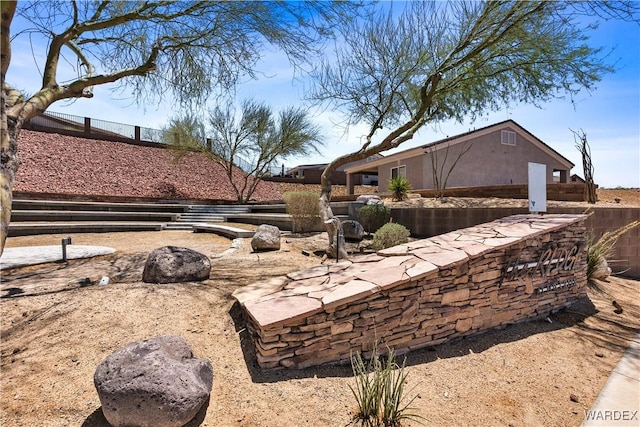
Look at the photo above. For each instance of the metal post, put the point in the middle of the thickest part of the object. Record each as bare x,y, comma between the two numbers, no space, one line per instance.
337,244
66,241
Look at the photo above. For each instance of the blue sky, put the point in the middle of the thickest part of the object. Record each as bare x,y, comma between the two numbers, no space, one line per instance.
609,115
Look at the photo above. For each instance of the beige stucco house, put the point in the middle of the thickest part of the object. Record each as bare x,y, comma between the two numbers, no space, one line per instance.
493,155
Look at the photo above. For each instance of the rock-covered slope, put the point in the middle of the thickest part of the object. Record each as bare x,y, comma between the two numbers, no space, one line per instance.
73,166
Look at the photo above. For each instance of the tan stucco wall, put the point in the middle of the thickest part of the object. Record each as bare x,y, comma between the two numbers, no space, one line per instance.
488,162
414,172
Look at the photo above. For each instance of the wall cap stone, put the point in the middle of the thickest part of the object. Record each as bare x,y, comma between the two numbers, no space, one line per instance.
272,306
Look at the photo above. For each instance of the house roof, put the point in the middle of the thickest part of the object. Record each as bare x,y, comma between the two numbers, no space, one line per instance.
457,139
578,178
341,168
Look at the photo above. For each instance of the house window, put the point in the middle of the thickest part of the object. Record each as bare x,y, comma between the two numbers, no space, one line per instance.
508,137
400,171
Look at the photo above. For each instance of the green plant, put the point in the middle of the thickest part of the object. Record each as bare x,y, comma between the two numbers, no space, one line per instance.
304,210
400,187
373,217
380,390
368,388
601,250
390,234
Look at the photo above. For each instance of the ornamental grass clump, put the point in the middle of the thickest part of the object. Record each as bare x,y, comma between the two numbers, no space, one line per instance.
599,252
390,234
379,391
304,210
372,217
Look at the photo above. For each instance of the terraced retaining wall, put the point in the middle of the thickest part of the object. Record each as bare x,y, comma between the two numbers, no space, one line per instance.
419,294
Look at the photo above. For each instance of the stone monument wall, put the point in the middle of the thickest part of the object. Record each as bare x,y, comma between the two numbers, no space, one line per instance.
419,294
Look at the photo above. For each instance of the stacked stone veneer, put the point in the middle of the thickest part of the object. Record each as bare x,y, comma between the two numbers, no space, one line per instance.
421,293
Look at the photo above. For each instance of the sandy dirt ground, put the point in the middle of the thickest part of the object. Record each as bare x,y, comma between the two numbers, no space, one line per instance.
55,333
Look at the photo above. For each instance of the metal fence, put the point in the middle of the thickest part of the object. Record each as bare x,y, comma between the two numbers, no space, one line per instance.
104,129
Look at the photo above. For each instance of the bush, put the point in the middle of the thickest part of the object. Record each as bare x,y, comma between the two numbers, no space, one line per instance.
380,390
304,210
372,217
599,252
389,235
400,187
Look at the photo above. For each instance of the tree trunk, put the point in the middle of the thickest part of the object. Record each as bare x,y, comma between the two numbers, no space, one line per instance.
8,168
8,131
582,145
332,224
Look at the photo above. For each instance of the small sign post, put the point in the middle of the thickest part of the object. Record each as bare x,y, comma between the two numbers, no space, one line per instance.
537,187
66,241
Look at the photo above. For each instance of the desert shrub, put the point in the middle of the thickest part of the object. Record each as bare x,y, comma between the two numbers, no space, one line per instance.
379,390
600,251
372,217
390,234
304,210
400,187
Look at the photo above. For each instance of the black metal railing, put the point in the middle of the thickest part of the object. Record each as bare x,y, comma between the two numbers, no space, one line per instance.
87,127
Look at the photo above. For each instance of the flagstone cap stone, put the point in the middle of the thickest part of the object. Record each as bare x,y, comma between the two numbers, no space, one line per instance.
275,312
286,299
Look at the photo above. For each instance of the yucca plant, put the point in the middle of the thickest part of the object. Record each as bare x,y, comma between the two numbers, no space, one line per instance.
380,391
367,389
395,379
400,187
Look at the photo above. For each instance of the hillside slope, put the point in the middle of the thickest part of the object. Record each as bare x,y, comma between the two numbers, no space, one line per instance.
73,166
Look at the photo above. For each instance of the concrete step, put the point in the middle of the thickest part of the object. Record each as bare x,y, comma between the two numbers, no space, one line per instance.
33,228
179,225
223,230
199,217
218,209
73,216
338,208
282,221
69,205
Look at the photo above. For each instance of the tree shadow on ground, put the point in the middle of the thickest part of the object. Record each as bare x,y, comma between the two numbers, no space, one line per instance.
616,322
611,334
52,278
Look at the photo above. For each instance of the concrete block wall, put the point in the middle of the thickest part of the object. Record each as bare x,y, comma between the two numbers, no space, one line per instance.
430,222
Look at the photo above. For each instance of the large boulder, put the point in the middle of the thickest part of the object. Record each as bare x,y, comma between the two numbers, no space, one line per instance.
266,238
352,230
171,264
601,270
370,199
156,382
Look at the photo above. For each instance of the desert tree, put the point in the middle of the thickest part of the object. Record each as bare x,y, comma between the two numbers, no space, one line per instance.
249,142
437,61
581,143
190,50
183,131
